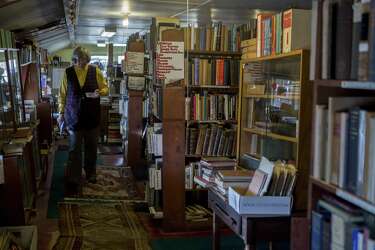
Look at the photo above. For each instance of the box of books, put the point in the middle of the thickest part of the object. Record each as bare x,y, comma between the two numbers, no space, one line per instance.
258,205
269,192
21,237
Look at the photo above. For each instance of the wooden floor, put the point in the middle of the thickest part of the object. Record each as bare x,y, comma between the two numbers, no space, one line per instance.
47,228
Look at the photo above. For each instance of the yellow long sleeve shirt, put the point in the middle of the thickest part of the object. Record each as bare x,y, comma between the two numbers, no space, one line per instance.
81,75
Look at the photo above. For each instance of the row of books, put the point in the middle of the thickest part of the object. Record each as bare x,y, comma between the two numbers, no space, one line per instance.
157,102
28,53
114,122
283,32
6,39
337,225
271,148
155,140
208,107
347,40
154,176
345,144
213,140
216,37
221,72
248,30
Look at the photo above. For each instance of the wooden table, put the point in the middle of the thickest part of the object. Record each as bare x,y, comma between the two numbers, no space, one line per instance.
249,227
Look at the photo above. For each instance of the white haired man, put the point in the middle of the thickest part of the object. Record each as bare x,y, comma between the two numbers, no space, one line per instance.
79,108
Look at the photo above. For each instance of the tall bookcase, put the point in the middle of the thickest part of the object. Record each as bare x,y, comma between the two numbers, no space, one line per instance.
275,113
343,86
275,122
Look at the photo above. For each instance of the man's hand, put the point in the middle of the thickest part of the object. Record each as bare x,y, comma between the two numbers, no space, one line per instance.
60,119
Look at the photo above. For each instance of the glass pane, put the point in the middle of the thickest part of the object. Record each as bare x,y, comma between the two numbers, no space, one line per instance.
5,96
16,86
270,108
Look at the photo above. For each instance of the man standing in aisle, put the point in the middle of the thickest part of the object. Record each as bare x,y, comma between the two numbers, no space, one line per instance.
79,110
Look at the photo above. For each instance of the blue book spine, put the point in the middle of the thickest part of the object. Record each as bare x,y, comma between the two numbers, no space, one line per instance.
196,71
352,162
355,232
317,231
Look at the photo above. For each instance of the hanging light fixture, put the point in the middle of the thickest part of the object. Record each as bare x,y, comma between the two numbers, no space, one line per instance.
125,21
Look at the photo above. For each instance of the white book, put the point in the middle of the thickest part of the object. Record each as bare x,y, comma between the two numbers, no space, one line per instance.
320,131
360,241
158,185
151,177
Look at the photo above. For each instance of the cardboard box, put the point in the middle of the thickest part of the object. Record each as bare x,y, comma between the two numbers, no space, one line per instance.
266,206
28,235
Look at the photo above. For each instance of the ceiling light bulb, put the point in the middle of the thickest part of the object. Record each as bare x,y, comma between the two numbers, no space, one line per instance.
125,7
125,21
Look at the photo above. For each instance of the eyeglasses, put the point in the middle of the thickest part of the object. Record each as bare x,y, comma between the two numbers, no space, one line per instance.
75,60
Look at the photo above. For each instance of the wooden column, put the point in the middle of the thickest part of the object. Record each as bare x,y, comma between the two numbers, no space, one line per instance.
173,171
45,127
11,201
134,157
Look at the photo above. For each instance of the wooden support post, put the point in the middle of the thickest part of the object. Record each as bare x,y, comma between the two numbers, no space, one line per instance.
173,177
134,157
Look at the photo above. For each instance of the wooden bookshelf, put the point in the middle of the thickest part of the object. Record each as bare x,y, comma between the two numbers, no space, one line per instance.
212,53
261,106
271,135
337,84
189,122
343,194
275,57
273,97
31,82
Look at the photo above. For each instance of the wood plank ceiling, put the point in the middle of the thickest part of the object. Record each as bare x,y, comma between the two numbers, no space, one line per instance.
45,21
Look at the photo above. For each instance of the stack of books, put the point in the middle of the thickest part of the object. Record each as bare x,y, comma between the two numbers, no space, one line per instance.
209,166
196,213
249,48
231,178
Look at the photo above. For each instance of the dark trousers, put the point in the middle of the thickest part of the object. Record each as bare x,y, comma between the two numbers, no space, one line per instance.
88,141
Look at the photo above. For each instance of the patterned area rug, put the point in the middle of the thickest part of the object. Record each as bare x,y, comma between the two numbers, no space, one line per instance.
109,226
109,149
113,183
115,160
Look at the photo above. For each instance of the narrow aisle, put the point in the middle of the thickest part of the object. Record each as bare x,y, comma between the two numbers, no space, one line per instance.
102,215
